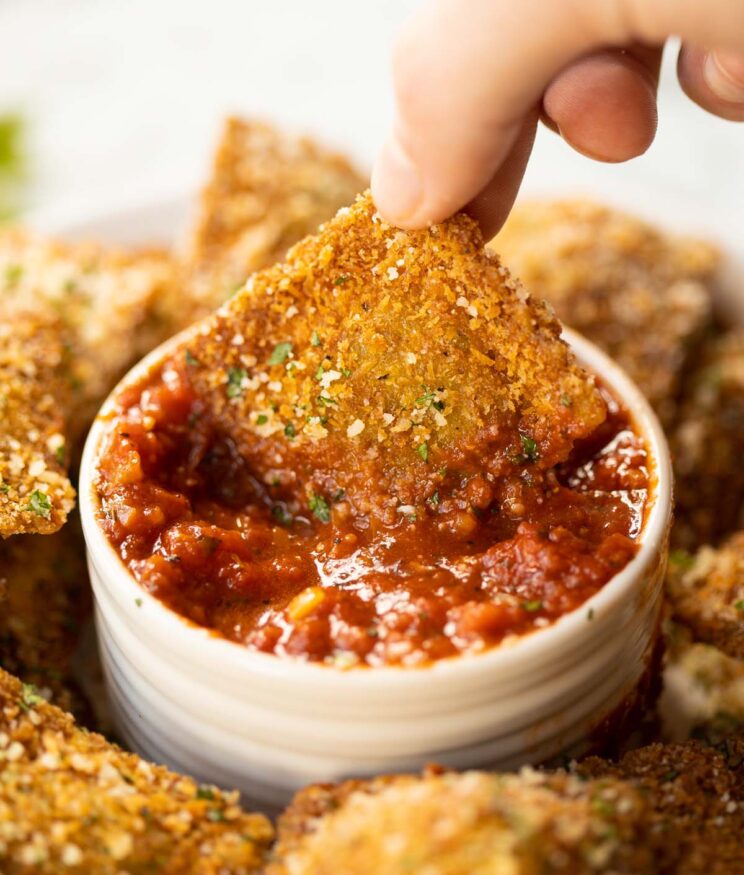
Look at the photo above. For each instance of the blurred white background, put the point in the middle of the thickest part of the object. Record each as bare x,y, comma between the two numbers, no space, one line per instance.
124,99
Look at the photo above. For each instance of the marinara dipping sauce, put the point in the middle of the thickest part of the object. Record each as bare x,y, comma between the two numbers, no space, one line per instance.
199,531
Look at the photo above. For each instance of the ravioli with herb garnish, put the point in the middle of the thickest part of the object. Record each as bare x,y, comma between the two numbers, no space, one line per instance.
706,593
473,823
695,799
392,367
72,802
268,189
642,295
35,492
103,298
45,602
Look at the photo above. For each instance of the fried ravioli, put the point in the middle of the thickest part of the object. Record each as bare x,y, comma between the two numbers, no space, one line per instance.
268,190
103,298
406,360
707,444
641,295
72,802
472,823
662,809
706,592
44,602
35,493
695,795
703,694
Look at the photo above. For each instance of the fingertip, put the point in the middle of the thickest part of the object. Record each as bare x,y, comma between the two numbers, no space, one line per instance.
723,73
491,206
715,81
397,187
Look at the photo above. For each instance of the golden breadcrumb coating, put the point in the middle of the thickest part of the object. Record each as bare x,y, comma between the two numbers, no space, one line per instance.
44,603
35,493
706,592
695,798
384,357
642,295
72,802
268,189
104,298
472,823
707,445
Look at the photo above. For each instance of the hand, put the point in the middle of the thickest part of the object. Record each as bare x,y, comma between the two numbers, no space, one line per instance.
472,78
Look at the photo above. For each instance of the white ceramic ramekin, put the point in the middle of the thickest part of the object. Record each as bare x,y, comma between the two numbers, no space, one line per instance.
267,725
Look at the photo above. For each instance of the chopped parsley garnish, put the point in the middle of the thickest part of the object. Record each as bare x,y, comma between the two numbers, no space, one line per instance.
429,399
739,605
30,698
282,515
314,339
566,400
191,360
346,372
339,494
423,451
209,544
289,430
681,559
13,164
603,806
434,499
13,273
262,419
325,401
282,351
319,373
533,606
235,377
204,792
40,504
138,602
339,281
4,488
215,815
320,508
529,446
59,454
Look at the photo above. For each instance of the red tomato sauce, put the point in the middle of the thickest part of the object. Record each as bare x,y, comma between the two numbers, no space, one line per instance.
238,556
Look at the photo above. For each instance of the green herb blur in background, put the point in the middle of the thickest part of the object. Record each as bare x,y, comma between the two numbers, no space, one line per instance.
14,169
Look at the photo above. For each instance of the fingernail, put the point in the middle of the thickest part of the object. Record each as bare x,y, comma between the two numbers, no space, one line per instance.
724,75
396,184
